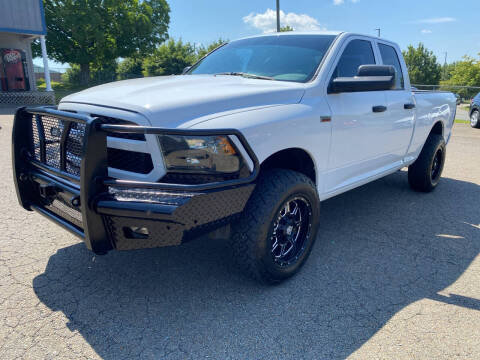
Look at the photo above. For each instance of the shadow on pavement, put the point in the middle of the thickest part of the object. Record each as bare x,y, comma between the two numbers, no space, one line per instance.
381,247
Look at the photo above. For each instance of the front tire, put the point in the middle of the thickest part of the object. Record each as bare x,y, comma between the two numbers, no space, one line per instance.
425,173
475,119
278,227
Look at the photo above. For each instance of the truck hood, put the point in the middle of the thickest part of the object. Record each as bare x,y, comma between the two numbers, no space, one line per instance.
173,101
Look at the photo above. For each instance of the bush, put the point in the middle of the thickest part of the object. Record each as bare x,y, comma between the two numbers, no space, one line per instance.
72,75
130,68
169,58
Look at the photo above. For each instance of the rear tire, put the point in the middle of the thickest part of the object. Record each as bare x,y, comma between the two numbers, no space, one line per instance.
424,174
475,119
278,227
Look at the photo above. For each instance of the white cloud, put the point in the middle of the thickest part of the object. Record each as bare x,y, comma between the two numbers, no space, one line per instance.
426,31
267,22
439,20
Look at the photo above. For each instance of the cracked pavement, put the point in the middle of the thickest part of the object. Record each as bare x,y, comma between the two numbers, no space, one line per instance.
394,274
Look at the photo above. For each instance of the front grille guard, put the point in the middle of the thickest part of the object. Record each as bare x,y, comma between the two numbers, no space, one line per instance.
93,180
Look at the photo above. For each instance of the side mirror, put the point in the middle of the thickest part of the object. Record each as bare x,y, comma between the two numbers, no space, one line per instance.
369,78
185,69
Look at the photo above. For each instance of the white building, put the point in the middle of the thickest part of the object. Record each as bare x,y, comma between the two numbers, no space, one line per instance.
21,22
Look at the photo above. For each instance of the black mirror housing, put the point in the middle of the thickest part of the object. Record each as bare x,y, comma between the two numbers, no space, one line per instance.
376,70
369,78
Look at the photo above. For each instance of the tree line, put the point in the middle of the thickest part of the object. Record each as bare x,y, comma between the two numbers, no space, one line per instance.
105,40
424,69
171,57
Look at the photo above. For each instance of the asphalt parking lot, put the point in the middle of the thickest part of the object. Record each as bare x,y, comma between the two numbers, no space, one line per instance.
394,275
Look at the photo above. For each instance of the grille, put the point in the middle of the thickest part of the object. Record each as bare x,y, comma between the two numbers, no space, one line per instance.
58,144
48,135
130,161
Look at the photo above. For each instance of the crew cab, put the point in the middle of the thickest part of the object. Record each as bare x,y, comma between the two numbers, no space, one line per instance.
245,144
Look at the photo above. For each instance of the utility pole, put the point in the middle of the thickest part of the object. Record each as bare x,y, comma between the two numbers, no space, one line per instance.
378,32
278,15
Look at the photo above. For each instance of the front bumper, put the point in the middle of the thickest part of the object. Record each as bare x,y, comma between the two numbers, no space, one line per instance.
113,213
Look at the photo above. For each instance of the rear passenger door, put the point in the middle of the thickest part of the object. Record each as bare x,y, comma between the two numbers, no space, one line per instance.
401,103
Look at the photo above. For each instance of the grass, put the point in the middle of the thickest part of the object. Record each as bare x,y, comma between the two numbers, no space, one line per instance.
459,121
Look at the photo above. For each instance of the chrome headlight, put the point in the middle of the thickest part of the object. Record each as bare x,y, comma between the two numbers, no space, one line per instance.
200,154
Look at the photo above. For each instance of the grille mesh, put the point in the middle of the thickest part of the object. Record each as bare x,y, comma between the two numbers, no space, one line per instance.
36,140
74,148
53,129
50,129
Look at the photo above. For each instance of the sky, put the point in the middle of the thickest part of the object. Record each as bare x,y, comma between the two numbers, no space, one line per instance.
443,26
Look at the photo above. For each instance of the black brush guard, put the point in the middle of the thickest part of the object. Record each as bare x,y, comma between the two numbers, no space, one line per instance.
88,205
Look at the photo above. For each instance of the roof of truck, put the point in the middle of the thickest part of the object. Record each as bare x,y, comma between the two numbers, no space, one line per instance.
316,32
287,33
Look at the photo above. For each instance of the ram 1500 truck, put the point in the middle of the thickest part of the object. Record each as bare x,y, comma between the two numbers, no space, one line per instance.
249,139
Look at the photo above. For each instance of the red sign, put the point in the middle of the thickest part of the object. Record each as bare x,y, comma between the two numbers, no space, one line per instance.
13,75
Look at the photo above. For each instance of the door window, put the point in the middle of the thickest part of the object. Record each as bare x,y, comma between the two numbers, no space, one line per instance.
357,52
390,57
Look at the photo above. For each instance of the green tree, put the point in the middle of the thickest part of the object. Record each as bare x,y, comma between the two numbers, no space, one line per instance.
202,50
447,71
465,73
286,28
129,68
90,33
98,74
422,65
169,58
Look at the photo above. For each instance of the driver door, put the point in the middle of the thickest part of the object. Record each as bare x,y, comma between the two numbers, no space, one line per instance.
359,121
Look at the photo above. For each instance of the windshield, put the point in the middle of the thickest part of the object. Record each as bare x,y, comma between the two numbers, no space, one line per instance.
286,58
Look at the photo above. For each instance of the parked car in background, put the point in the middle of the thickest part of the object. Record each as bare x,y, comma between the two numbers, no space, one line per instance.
459,99
250,139
475,112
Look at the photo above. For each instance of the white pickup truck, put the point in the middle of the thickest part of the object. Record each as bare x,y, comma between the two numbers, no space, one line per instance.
250,139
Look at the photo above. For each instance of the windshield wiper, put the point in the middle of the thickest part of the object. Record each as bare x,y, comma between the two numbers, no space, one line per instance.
246,75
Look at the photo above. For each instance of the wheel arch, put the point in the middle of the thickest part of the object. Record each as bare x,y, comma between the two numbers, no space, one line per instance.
294,158
437,128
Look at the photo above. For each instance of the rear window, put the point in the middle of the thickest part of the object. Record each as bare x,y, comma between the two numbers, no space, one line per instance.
390,57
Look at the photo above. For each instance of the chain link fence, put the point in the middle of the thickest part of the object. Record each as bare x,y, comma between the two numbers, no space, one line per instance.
466,93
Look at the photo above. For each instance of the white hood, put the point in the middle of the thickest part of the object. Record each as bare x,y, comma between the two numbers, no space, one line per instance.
172,101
